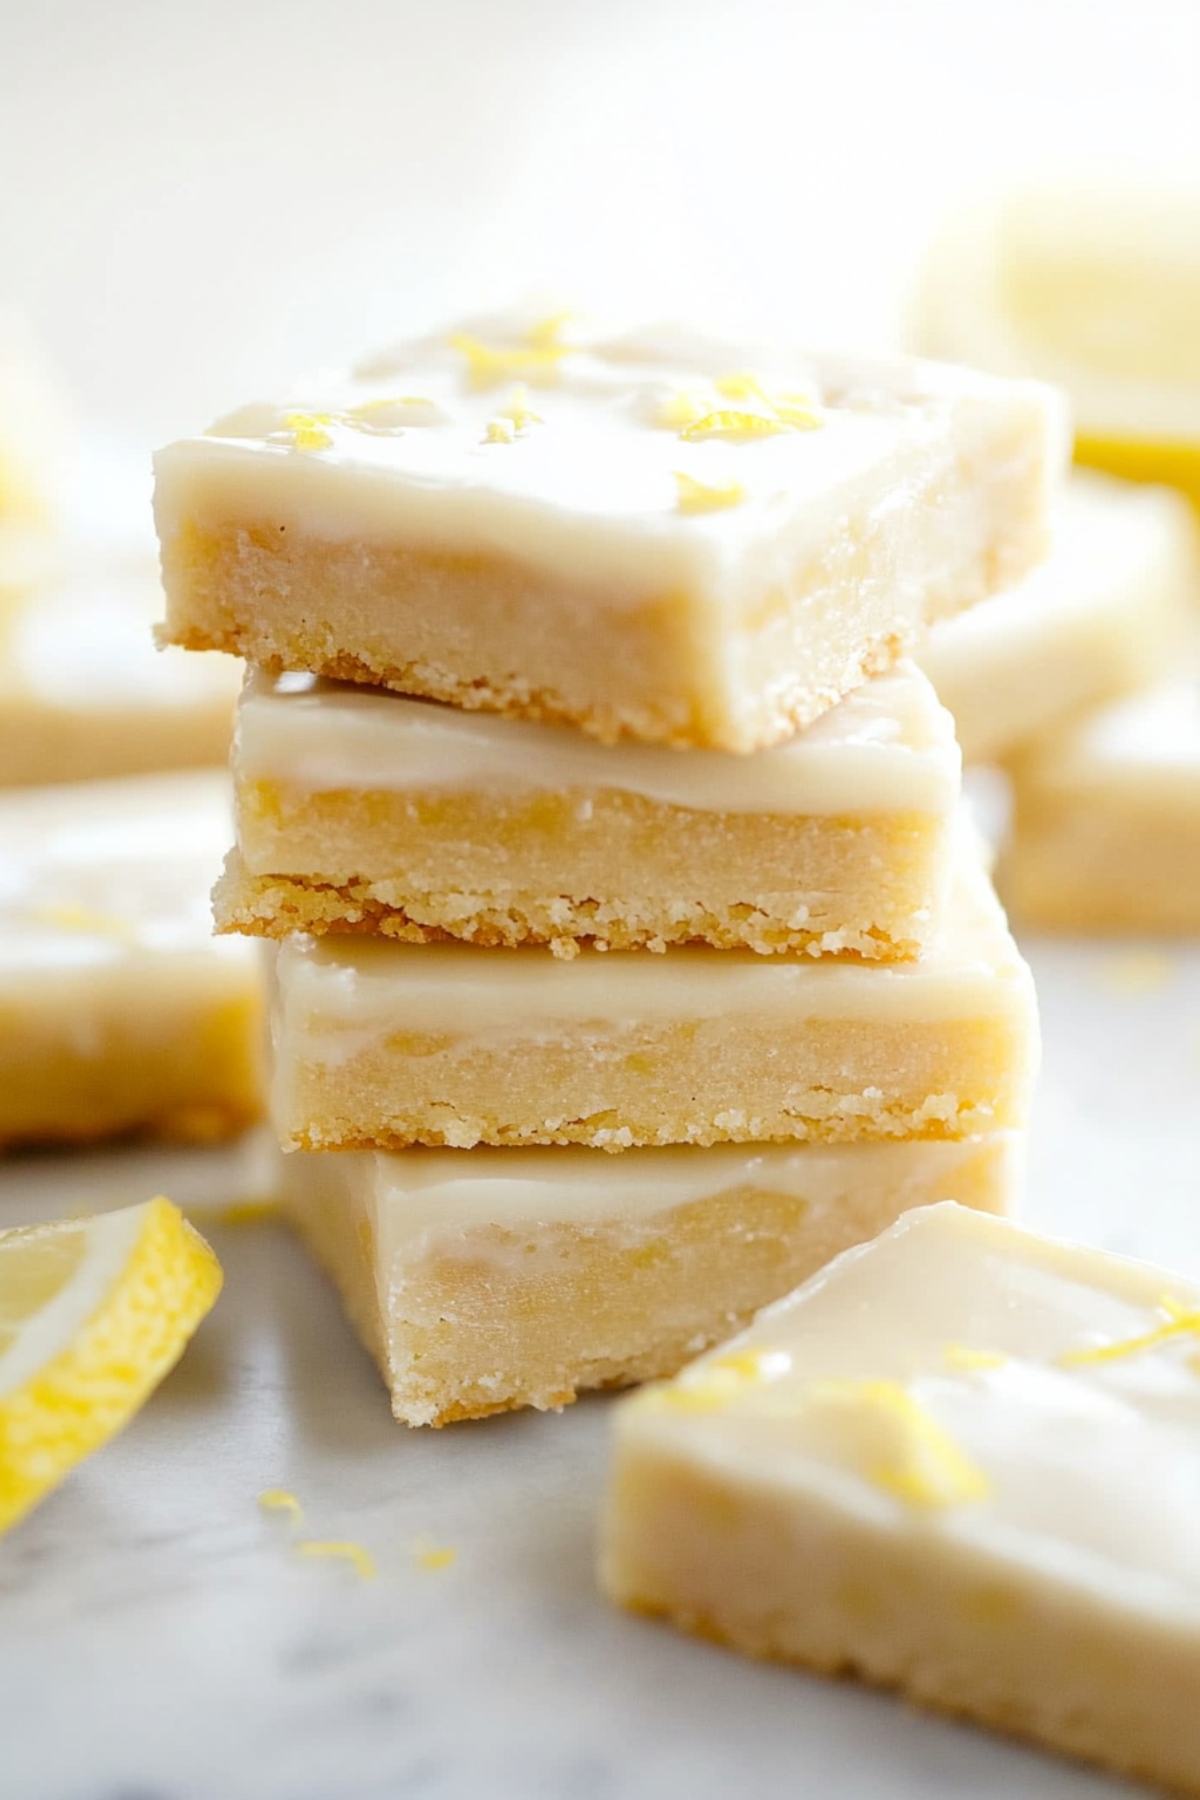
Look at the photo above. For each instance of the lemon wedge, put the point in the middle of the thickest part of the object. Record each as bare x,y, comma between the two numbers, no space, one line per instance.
93,1313
1097,289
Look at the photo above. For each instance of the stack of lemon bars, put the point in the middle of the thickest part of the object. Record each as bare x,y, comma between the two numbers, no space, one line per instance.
632,957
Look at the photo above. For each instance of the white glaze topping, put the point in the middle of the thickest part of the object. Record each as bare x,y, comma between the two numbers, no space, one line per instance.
566,449
96,875
340,993
1035,1402
430,1192
888,747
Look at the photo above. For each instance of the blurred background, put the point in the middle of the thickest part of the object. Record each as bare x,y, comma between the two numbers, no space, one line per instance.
198,200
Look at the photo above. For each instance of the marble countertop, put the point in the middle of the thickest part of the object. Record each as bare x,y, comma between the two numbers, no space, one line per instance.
160,1639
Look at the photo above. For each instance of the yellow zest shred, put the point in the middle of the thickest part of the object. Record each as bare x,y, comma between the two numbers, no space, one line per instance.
518,410
281,1500
308,430
914,1458
248,1212
700,497
360,1559
428,1555
1181,1322
488,366
726,422
544,334
959,1356
682,407
500,431
717,1382
741,387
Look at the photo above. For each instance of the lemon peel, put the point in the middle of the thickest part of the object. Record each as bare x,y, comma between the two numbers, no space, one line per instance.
308,430
93,1314
430,1555
916,1459
339,1549
488,365
500,431
281,1500
1181,1322
701,496
737,424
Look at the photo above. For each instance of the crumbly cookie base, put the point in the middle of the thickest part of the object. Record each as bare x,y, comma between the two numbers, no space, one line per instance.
494,1318
494,634
699,1081
788,1578
186,1076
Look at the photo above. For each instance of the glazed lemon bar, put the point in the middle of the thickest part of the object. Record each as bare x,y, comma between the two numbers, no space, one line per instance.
962,1461
85,694
365,811
518,1278
655,535
1106,819
383,1045
119,1012
1104,616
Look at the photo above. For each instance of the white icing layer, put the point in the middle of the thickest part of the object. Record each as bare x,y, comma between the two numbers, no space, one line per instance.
338,993
565,451
888,747
428,1194
99,876
1108,611
1031,1404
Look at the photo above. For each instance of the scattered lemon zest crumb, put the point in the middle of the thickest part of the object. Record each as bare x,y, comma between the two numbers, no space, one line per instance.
1181,1322
922,1465
701,496
366,408
500,431
308,430
741,387
682,407
544,334
360,1558
488,366
728,422
961,1356
281,1500
517,409
430,1555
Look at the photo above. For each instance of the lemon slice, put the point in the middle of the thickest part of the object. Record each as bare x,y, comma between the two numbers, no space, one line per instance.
93,1313
1097,290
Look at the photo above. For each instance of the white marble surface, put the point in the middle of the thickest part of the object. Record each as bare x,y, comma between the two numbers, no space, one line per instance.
161,1640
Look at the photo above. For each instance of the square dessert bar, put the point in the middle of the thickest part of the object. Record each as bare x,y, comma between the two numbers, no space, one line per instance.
364,811
658,536
1105,615
381,1045
1106,824
519,1278
962,1461
119,1012
84,694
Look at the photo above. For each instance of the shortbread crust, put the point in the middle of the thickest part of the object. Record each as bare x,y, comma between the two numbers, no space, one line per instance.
383,1045
84,694
1105,615
963,1462
634,535
119,1012
365,811
515,1278
1106,818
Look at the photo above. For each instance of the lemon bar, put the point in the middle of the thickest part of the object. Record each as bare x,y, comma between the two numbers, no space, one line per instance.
962,1461
36,439
85,694
1106,818
119,1012
641,535
383,1045
1105,615
520,1277
364,811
